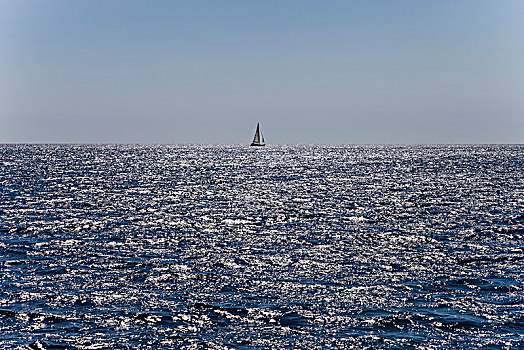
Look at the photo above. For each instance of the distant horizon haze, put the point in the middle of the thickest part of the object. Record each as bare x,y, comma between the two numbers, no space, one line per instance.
310,72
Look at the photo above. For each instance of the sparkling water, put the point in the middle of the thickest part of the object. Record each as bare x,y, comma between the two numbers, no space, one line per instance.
299,247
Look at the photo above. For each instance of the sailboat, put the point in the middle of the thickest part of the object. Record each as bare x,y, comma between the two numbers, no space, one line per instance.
256,139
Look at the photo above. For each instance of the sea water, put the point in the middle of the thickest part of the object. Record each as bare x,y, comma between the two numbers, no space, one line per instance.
298,247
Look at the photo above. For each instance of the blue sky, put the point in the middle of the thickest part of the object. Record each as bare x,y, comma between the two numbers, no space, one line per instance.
405,71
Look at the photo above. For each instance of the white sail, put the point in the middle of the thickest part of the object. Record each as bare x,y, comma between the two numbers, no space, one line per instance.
256,139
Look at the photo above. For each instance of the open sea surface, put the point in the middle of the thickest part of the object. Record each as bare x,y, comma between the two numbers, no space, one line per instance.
284,247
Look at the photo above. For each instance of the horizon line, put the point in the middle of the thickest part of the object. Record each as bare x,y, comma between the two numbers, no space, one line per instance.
267,144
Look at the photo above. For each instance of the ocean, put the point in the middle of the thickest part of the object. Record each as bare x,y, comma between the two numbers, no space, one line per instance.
276,247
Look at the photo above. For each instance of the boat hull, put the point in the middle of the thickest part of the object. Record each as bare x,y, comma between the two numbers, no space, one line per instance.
258,144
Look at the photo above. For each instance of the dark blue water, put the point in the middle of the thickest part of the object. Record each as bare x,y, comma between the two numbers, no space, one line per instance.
303,247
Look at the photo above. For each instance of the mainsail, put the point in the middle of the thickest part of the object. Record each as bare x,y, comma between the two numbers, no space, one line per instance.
256,139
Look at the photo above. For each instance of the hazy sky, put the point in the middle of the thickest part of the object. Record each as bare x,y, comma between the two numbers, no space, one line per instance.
370,71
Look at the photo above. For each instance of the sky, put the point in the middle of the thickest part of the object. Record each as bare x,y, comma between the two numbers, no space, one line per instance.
206,71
